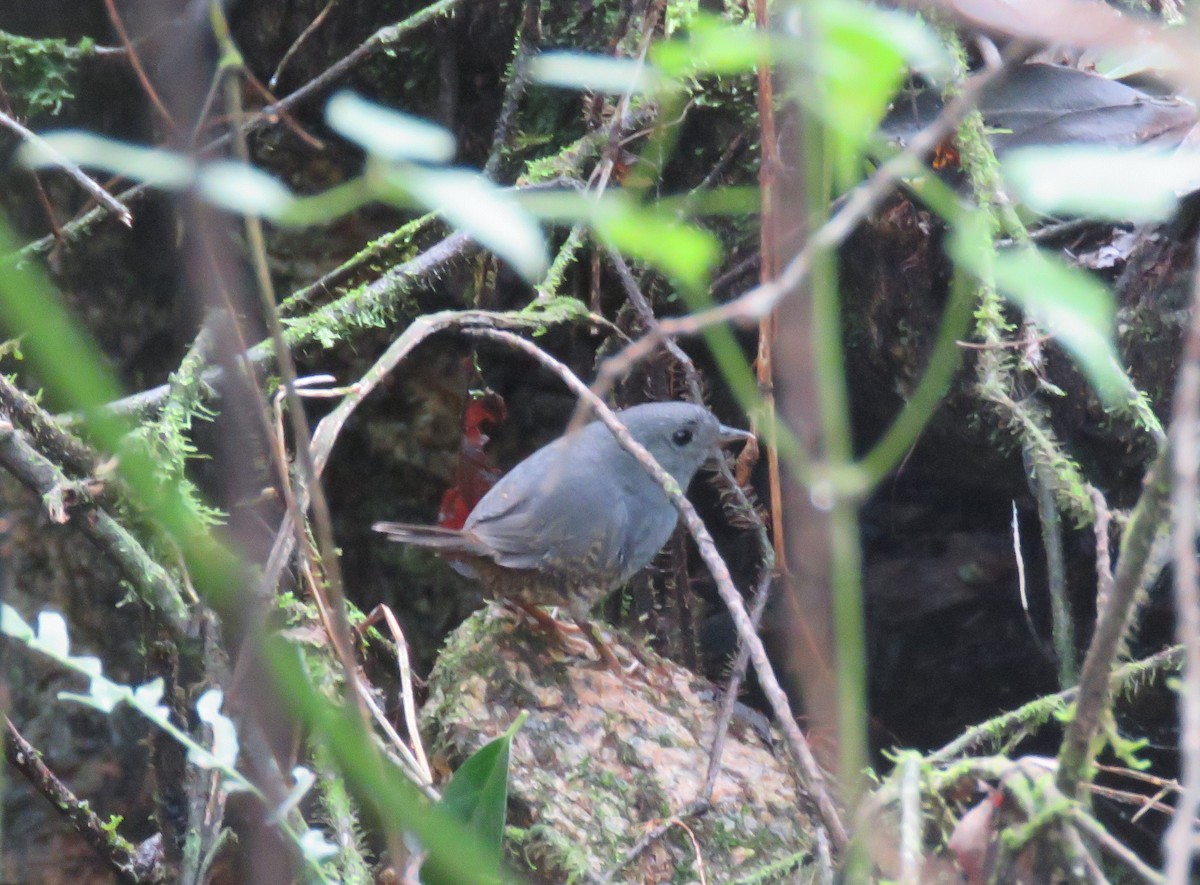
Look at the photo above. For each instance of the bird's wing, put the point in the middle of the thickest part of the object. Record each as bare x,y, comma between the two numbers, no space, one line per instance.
648,530
553,511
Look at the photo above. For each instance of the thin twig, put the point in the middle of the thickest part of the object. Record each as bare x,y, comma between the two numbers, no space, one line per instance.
378,41
649,837
103,197
375,253
811,777
135,62
406,761
745,511
1113,620
747,265
298,42
46,434
39,188
911,824
1180,840
380,294
529,35
768,324
1077,850
119,854
76,228
617,127
341,635
1116,848
330,427
148,579
762,299
1038,710
1061,626
1140,801
381,39
407,696
729,699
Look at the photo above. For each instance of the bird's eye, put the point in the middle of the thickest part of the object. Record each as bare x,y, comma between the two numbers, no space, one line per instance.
681,437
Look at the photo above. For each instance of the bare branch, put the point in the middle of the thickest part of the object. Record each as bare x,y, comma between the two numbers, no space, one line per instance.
149,579
115,851
103,197
762,299
812,779
1180,841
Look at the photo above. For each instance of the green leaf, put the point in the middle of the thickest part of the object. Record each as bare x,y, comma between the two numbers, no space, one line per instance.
1138,185
557,207
384,791
66,358
52,637
860,70
860,55
469,201
477,796
728,200
594,73
685,253
153,166
921,48
302,781
147,695
224,734
103,695
716,46
244,189
1074,307
13,625
388,134
316,847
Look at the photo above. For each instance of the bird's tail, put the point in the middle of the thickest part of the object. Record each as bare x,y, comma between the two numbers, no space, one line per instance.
434,537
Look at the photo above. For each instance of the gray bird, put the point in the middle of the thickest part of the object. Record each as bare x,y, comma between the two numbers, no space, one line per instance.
579,517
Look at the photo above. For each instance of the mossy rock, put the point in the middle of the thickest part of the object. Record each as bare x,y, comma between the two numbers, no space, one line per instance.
602,759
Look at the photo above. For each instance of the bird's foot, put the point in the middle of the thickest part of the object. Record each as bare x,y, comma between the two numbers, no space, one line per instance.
635,669
565,634
581,638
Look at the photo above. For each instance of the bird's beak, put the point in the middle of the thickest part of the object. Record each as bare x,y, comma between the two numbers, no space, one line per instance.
727,436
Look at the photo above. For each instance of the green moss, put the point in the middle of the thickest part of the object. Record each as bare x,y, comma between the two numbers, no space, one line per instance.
389,250
343,816
782,870
555,310
492,665
565,856
373,305
549,286
39,75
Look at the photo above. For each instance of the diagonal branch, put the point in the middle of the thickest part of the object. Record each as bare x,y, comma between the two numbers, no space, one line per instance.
812,778
149,579
1180,844
1113,619
103,197
118,853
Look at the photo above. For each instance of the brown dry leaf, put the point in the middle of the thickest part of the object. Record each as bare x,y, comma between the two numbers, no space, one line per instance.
1084,23
972,843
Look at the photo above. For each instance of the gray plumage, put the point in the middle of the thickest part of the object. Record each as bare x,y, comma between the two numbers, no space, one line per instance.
579,516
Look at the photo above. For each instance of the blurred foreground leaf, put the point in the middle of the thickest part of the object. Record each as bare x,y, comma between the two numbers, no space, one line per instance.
477,796
1139,185
387,134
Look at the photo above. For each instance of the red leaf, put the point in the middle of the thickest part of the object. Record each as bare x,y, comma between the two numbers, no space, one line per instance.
475,473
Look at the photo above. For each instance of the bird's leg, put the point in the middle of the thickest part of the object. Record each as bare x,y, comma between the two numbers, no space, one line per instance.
558,630
562,633
607,655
